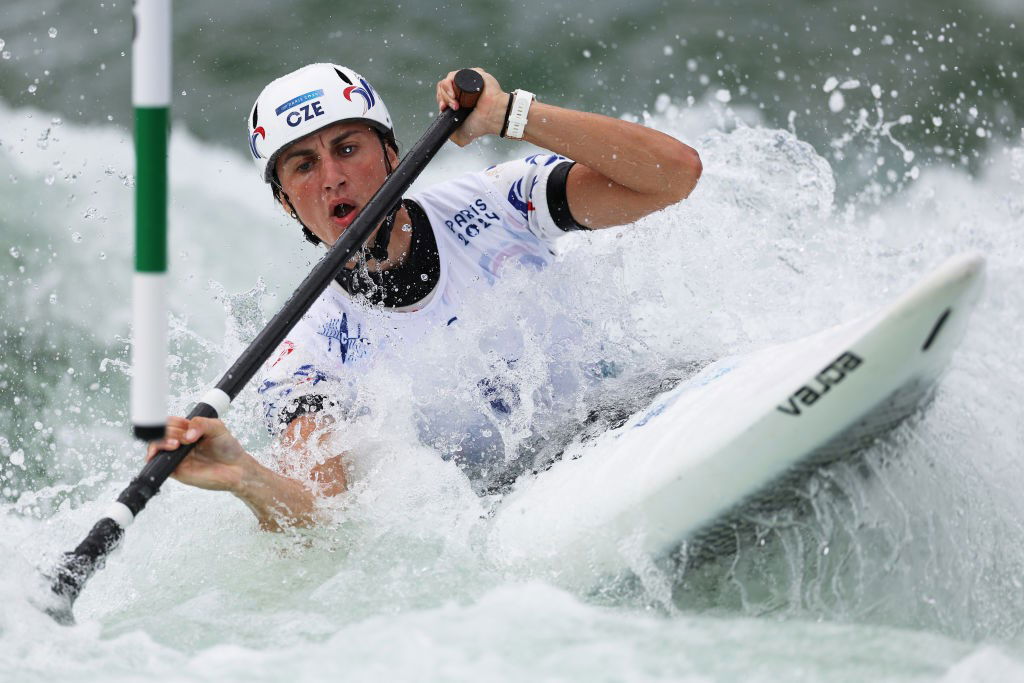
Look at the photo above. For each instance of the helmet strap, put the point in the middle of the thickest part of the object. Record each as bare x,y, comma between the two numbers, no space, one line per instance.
379,250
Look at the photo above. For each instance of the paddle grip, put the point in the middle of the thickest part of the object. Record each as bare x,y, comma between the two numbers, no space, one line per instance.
469,85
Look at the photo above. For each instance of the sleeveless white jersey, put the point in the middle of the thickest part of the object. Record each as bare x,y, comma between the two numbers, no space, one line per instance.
482,222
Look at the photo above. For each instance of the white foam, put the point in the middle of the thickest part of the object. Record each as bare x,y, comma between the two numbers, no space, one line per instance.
760,253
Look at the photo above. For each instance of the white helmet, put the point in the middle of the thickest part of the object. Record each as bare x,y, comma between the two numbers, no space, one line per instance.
303,102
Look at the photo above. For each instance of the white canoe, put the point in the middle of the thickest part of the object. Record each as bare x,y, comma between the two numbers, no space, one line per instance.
730,436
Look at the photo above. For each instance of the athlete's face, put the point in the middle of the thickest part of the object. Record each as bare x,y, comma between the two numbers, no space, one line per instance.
330,175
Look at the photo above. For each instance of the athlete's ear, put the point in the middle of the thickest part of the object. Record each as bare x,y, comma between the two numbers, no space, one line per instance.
284,201
279,195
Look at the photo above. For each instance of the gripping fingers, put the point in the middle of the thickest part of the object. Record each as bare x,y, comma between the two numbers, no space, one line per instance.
174,433
446,93
166,444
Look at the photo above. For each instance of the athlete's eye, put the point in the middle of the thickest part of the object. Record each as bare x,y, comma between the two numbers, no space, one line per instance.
304,166
346,150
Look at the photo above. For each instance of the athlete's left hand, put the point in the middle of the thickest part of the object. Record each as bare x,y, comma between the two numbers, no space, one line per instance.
489,114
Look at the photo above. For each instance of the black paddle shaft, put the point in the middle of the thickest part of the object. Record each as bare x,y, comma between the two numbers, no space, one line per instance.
68,579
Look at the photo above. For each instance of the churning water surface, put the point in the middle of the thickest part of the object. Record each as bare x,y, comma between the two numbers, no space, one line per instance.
846,152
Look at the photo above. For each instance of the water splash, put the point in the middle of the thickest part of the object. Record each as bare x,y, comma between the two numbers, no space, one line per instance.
761,253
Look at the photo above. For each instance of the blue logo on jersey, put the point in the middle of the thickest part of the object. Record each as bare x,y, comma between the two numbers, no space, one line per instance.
336,330
521,200
543,159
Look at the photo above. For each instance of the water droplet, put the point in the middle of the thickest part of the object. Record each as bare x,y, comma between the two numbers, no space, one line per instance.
52,32
423,276
2,43
76,237
17,457
32,88
48,180
836,102
586,54
723,96
38,425
6,54
936,121
667,50
56,120
103,256
406,228
53,298
14,252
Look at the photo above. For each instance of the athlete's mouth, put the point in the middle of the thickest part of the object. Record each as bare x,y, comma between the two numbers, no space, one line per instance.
342,210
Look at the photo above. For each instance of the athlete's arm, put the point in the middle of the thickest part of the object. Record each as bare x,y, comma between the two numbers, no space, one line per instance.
220,463
623,170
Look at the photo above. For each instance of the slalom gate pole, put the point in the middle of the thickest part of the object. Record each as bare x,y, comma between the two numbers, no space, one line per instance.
69,577
151,97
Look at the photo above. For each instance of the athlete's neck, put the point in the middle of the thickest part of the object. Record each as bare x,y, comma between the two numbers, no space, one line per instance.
398,245
406,278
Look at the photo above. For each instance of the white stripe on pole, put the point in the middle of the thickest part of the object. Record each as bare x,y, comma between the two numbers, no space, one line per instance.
149,349
218,400
151,54
120,513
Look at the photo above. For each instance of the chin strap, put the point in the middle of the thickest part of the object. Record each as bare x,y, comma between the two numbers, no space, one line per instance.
379,250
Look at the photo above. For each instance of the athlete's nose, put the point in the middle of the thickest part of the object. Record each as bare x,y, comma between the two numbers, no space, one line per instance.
333,172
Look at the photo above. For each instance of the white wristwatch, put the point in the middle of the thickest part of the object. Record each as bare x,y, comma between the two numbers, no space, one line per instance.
515,116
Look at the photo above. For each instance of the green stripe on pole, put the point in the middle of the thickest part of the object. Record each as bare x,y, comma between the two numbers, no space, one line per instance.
151,132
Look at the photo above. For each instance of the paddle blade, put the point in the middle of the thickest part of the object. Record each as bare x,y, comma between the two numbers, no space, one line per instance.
69,577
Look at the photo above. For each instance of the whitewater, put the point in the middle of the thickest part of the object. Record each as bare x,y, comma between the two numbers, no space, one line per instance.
908,567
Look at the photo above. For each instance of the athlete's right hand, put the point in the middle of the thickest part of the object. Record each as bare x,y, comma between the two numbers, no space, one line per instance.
217,462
